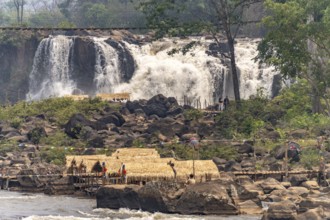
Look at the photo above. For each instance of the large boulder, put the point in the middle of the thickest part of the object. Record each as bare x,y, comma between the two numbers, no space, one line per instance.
313,214
160,105
285,210
311,203
114,118
132,106
117,197
61,186
206,198
249,207
248,190
165,126
297,180
151,199
244,148
271,184
232,166
28,178
311,185
74,126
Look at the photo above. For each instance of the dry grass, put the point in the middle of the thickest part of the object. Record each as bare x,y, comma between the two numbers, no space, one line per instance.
144,164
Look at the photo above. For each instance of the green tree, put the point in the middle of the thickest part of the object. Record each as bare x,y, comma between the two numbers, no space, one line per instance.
96,15
221,19
19,6
298,44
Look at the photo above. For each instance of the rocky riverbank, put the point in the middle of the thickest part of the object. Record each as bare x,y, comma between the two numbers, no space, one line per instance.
226,196
161,123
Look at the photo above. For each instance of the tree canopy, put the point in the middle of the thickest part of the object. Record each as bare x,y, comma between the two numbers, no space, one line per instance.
82,13
298,45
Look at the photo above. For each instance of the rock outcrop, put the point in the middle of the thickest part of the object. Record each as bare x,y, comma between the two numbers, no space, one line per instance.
203,198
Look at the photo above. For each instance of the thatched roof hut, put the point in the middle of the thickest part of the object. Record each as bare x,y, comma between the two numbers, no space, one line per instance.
146,164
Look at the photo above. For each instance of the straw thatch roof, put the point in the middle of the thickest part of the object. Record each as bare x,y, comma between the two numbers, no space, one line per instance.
114,96
77,97
142,162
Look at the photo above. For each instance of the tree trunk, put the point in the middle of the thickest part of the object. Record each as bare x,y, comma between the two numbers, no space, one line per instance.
224,18
316,101
22,11
17,11
234,72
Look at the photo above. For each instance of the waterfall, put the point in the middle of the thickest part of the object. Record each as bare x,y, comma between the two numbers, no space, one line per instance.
252,75
107,68
50,76
196,76
191,76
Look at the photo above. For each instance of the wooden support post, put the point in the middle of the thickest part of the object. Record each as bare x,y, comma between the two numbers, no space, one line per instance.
286,167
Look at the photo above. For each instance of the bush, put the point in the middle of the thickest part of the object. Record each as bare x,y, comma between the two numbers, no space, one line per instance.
60,109
59,139
7,146
193,114
55,155
310,158
16,122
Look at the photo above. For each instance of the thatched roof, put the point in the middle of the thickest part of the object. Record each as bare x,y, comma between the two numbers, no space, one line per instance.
113,96
146,163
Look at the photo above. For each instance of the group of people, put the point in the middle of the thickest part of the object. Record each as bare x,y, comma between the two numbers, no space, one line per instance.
122,173
223,104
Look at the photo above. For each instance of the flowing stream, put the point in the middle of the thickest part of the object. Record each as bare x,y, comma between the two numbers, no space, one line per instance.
41,207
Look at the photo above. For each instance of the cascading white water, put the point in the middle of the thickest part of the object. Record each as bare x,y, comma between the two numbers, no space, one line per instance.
194,76
175,75
50,76
252,75
107,68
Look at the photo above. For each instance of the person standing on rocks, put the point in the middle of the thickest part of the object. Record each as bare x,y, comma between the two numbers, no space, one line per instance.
123,175
225,103
104,173
174,170
220,108
191,180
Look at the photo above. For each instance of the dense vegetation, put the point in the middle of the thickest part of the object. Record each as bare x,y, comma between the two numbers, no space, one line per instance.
68,13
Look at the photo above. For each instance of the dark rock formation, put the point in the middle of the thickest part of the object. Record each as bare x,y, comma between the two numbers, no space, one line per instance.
203,198
83,61
77,122
126,60
206,198
114,118
116,198
16,61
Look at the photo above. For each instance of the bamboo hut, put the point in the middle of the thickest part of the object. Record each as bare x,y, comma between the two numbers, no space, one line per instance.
145,164
114,96
77,97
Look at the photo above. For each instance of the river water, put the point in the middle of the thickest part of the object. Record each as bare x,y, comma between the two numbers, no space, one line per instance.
42,207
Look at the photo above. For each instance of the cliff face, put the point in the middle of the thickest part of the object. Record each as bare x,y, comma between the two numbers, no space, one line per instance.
16,63
20,53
